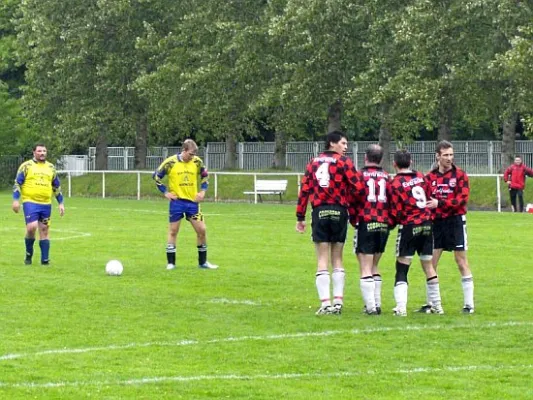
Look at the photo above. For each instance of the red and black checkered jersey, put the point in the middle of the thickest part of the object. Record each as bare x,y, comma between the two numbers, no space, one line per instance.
371,203
408,196
451,189
326,181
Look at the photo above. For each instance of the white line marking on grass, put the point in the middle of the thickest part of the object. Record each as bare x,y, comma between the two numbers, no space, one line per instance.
228,301
285,336
286,376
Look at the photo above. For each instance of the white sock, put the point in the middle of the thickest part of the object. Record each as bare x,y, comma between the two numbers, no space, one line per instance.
377,290
468,290
322,286
400,295
338,277
433,292
367,291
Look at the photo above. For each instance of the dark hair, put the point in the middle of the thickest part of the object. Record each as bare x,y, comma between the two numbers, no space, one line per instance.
38,145
518,156
334,137
402,159
374,153
443,145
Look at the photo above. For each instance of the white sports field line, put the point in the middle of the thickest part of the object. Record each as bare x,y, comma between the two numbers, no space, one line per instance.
73,234
238,377
286,336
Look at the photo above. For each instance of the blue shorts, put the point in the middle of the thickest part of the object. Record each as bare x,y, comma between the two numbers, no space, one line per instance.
37,212
184,208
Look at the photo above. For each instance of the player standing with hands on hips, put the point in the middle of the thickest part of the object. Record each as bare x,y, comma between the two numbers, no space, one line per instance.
185,171
327,180
449,197
35,183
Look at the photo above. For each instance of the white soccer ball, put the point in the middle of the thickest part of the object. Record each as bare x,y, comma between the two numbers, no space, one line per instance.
529,207
114,268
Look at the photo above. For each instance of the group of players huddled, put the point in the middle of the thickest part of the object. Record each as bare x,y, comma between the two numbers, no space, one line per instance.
429,211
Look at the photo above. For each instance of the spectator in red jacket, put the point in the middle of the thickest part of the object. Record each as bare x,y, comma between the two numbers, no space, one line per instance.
515,176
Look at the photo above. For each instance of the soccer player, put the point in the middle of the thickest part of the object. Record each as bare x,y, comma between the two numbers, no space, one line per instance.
449,196
35,183
370,217
408,199
185,171
325,184
515,177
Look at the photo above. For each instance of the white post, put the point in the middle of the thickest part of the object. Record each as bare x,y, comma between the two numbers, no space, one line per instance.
241,155
103,185
355,149
499,193
491,155
69,184
125,158
206,157
216,187
255,188
138,185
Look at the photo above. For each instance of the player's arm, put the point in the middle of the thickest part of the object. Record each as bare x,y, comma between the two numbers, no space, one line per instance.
204,181
529,172
507,175
303,197
393,211
19,181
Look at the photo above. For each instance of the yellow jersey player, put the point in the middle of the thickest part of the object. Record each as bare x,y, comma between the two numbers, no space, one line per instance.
35,183
187,184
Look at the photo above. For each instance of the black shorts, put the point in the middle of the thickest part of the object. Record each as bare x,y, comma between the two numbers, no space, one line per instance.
330,224
415,239
449,233
370,237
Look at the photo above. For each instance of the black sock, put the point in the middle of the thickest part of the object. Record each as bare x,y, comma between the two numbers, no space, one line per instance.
171,254
202,254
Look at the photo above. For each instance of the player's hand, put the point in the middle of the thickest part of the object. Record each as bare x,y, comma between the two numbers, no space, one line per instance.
432,203
61,209
171,196
200,196
15,206
300,226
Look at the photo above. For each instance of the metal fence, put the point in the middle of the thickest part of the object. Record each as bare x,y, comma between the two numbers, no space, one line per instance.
476,157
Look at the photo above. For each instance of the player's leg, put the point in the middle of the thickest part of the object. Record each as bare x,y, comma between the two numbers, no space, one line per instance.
467,281
461,246
173,229
512,194
322,277
44,241
404,256
378,282
364,249
31,217
520,195
196,218
338,276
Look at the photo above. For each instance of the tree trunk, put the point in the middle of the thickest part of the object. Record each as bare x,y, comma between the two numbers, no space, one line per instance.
445,121
101,149
231,143
508,141
280,151
141,142
385,138
334,116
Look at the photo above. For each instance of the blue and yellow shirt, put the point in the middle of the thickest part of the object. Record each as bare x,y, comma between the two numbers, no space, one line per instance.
36,182
183,177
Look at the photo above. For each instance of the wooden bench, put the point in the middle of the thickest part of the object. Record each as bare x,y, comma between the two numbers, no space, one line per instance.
270,186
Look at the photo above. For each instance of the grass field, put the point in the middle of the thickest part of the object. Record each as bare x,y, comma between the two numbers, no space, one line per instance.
248,330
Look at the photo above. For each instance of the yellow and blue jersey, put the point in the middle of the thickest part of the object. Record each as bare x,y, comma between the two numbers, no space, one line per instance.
37,182
184,178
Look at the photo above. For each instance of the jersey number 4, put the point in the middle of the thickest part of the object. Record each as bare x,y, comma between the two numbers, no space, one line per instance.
381,186
322,175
